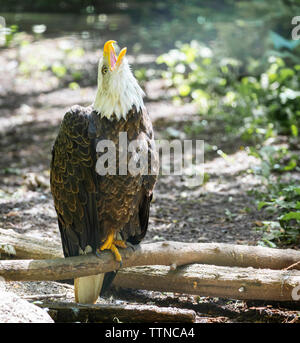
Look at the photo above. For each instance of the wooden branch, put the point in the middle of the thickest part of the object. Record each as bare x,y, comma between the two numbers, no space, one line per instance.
43,296
236,283
221,254
165,253
216,281
293,266
72,312
27,247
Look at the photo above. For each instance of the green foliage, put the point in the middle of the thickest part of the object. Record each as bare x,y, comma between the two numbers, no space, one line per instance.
282,199
65,66
274,159
259,107
10,33
74,85
199,76
254,107
59,70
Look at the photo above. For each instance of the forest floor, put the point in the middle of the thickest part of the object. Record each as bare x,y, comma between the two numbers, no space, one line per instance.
220,210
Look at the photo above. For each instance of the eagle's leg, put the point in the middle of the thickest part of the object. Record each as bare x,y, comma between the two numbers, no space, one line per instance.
111,244
108,241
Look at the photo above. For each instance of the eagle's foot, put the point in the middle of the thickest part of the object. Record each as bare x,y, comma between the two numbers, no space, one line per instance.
116,253
111,244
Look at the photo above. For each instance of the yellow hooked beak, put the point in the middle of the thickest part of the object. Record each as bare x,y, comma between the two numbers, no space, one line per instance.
110,54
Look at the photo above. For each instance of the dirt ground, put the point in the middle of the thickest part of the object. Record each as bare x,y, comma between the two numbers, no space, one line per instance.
221,210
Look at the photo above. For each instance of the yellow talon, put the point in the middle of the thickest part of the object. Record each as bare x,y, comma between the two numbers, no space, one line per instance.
115,251
120,244
108,242
111,244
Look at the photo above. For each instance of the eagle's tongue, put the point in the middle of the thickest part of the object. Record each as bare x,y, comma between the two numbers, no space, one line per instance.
113,59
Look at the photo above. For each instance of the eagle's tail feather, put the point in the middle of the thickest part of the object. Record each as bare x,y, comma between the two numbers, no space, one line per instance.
87,288
108,279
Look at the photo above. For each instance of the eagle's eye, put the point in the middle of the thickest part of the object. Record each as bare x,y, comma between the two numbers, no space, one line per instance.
104,70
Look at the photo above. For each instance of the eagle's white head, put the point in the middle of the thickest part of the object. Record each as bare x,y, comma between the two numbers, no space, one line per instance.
118,89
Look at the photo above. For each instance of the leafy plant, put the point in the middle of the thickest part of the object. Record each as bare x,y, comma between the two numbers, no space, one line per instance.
256,108
259,108
281,199
284,200
277,159
10,33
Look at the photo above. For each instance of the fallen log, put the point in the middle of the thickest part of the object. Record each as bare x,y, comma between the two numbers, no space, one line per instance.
72,312
215,281
166,253
229,282
26,247
221,254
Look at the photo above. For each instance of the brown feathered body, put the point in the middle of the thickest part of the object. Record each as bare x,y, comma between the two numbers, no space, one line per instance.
89,205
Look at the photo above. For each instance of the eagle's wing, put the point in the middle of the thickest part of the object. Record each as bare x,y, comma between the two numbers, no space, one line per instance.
74,184
137,227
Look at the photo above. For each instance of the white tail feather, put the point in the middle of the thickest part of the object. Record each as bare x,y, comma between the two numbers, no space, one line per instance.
87,288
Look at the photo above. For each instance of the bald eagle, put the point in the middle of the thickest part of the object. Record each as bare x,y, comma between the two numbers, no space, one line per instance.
98,211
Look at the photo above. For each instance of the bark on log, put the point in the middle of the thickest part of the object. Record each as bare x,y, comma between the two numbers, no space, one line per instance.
72,312
27,247
221,254
165,253
228,282
216,281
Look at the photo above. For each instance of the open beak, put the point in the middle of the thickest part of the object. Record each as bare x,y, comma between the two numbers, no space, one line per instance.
110,54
